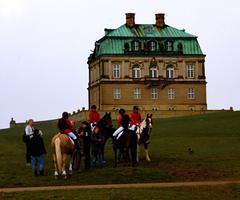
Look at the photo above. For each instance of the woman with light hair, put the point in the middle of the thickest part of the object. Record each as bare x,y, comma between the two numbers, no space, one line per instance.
28,135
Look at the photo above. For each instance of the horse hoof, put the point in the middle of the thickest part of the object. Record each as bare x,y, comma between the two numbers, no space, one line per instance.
65,177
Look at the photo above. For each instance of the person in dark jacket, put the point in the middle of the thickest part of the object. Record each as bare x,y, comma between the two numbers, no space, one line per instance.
67,127
97,142
87,133
37,150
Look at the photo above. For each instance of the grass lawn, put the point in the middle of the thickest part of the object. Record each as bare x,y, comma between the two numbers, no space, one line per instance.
214,139
230,192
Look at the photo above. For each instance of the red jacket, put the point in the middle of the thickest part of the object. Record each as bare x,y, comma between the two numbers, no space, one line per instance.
119,121
94,117
69,127
135,118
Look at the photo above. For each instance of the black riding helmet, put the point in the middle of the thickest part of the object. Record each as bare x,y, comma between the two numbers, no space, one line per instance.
135,108
121,111
94,107
65,115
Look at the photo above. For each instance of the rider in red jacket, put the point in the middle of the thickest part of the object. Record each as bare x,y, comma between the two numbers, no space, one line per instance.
136,118
120,129
66,126
94,116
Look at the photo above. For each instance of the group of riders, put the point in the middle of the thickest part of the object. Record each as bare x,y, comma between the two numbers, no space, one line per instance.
87,135
66,126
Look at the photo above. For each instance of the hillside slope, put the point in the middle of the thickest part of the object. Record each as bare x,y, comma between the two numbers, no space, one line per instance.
214,139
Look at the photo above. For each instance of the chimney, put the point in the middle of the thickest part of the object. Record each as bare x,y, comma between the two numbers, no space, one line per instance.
160,23
130,20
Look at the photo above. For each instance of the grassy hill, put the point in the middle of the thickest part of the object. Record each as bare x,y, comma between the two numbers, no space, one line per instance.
214,139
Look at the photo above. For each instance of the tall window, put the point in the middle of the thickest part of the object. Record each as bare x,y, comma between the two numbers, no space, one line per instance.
136,71
170,72
190,71
191,93
169,46
117,93
136,46
137,93
152,46
154,93
116,70
153,73
171,93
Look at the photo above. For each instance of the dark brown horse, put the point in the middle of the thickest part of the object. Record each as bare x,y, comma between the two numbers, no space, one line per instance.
127,141
105,128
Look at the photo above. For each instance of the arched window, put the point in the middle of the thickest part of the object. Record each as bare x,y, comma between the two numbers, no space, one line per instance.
136,71
153,72
170,71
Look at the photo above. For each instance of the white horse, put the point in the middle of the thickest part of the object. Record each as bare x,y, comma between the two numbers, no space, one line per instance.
143,132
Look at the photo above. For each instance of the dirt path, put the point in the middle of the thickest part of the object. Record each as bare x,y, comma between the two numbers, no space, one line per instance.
118,186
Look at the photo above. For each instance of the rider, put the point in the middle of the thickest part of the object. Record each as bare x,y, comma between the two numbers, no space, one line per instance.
66,127
135,118
94,116
122,122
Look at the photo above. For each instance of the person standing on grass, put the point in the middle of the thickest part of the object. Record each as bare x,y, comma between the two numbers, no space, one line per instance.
94,116
27,137
97,143
87,133
37,150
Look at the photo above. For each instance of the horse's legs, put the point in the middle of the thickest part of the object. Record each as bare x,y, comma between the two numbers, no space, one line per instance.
138,148
55,165
70,165
64,173
115,156
146,153
133,147
103,155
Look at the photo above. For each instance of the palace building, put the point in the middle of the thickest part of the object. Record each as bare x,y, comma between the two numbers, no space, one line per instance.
154,66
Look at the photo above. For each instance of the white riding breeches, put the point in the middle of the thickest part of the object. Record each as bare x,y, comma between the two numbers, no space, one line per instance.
72,135
133,127
119,130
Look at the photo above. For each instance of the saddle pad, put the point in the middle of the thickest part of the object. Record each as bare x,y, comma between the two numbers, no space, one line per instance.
71,140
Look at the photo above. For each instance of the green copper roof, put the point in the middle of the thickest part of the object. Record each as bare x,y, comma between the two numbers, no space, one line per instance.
148,30
115,40
116,46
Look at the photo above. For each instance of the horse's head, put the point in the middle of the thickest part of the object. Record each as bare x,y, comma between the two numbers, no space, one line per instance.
106,120
149,121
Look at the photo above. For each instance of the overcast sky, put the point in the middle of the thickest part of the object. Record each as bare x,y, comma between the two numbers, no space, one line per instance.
44,46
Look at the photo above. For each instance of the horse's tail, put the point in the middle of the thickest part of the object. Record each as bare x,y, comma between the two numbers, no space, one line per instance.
58,153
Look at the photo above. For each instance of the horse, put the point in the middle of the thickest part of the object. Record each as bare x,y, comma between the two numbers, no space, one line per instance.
105,129
62,151
143,135
126,142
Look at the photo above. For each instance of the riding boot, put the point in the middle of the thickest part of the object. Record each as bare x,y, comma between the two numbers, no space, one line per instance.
76,144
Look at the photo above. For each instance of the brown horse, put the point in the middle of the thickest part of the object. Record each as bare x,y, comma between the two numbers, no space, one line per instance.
62,150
